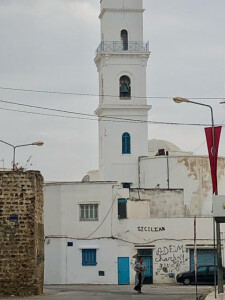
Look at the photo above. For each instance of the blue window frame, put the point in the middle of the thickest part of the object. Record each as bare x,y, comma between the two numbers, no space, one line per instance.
89,257
126,143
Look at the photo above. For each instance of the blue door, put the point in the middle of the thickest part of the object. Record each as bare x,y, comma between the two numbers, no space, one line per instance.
204,257
146,254
148,272
123,270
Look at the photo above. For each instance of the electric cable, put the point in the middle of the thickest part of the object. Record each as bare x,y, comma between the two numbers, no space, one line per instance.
105,95
120,239
91,116
103,220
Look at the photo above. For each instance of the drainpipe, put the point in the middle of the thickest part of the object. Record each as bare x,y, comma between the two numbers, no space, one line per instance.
168,170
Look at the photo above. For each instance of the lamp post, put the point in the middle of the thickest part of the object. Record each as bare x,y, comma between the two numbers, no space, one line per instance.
219,257
38,143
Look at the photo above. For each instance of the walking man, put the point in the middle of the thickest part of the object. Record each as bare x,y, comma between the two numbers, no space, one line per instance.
139,268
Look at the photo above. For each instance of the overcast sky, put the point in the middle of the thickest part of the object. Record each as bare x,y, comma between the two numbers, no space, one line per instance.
50,45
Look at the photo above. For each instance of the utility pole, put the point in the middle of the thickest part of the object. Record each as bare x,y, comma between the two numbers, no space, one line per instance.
219,256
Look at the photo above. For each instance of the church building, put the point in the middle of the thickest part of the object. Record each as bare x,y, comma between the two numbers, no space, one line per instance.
144,197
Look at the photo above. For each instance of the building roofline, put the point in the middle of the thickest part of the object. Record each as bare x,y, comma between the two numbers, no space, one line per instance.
158,189
178,156
121,10
78,182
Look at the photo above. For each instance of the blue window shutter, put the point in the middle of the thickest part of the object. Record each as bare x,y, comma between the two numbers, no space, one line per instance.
89,257
126,143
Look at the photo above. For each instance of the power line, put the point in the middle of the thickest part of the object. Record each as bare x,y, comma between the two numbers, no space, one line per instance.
103,220
60,116
99,95
73,93
43,114
72,112
91,116
119,239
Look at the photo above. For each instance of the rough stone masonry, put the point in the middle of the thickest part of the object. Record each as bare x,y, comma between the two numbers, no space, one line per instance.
21,233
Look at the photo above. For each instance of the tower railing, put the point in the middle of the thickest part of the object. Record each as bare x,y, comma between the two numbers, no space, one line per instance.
117,46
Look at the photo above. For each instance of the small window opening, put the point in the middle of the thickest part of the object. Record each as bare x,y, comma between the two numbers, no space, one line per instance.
126,185
101,273
122,208
124,38
14,218
161,152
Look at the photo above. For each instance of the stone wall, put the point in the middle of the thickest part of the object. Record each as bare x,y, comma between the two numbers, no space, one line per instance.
21,233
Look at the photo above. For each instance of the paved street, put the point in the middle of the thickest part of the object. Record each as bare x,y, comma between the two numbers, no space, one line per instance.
97,292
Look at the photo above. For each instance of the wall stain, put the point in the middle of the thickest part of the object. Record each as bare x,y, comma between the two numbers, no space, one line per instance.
199,169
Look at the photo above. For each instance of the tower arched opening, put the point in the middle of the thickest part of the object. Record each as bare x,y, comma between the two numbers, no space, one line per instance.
125,87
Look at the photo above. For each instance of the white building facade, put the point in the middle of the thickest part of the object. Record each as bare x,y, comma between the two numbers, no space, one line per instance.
93,230
121,62
144,197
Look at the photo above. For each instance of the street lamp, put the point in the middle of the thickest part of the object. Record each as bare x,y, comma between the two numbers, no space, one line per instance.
38,143
219,257
181,100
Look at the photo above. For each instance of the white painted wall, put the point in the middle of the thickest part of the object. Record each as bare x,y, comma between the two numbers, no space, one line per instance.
117,15
64,264
53,209
121,4
113,164
170,238
62,215
55,260
112,66
171,245
192,174
155,203
62,224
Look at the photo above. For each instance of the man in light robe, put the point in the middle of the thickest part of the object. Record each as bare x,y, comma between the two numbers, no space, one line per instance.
139,268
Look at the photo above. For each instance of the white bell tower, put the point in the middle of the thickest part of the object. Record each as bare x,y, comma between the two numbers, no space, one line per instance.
121,60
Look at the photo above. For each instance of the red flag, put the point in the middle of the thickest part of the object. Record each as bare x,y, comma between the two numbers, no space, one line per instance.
213,162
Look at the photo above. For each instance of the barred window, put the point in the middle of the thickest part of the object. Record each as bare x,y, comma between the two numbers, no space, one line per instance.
88,212
89,257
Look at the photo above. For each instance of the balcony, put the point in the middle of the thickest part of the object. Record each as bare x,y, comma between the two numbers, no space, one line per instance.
121,47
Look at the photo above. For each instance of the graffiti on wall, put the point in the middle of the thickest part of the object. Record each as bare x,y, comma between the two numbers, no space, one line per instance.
170,260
